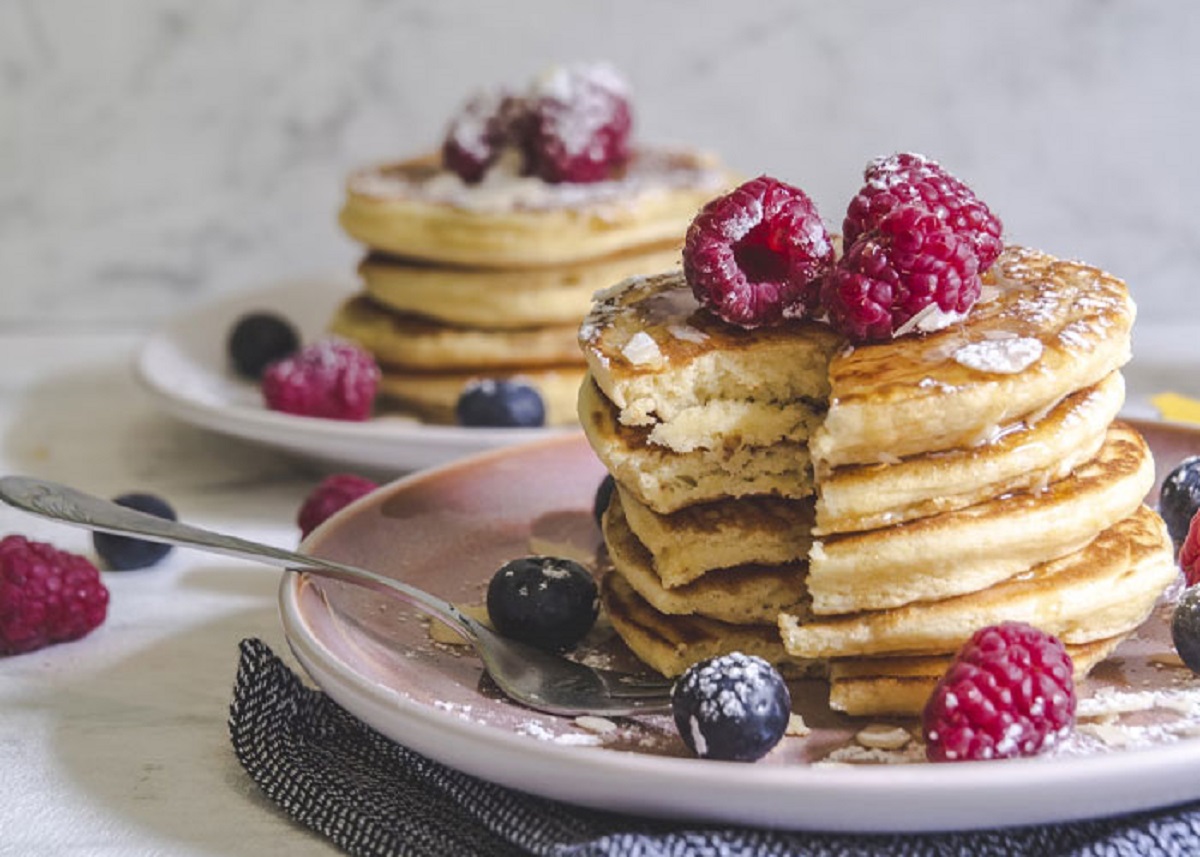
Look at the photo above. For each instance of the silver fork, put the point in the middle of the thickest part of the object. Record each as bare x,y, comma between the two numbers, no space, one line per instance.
530,676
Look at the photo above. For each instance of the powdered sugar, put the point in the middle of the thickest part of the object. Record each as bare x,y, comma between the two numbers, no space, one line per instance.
1000,356
642,350
649,172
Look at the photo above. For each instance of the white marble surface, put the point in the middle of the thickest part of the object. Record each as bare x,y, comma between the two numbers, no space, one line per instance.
117,743
156,151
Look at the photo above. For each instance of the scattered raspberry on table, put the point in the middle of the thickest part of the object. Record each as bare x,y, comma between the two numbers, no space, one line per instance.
46,595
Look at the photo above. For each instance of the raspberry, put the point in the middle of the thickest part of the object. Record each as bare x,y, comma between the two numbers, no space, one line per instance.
46,596
889,275
331,379
1009,692
755,256
478,134
1189,552
334,493
914,179
579,124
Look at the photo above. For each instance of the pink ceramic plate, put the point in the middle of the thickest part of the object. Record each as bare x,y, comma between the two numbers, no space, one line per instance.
447,530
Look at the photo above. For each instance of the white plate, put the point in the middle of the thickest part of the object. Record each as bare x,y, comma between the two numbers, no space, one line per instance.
446,531
184,366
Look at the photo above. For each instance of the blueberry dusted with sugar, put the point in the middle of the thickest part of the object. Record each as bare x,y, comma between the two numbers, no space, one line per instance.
1185,628
734,708
125,553
500,404
546,601
603,497
1180,497
258,339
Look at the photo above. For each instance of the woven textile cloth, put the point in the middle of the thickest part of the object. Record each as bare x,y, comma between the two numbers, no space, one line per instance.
371,796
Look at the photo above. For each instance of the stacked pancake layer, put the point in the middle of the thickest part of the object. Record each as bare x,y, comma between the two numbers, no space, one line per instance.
464,282
859,512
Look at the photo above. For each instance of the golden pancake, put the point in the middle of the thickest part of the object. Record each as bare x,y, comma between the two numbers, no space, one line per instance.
1021,457
659,359
1106,589
411,342
671,644
740,595
483,298
685,544
432,396
973,548
667,481
417,209
1044,328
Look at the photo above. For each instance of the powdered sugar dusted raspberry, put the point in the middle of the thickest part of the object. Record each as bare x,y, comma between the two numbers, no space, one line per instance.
912,179
755,255
1189,552
1009,692
46,595
891,274
331,379
579,124
478,133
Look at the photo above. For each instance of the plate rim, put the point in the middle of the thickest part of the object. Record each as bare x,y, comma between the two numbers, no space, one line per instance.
973,795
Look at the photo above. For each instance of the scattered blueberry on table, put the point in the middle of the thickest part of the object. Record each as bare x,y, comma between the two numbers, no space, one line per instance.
126,553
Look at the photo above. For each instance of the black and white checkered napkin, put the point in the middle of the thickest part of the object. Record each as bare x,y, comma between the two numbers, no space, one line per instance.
370,796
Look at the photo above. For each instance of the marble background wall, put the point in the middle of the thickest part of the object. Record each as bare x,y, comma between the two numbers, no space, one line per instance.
154,153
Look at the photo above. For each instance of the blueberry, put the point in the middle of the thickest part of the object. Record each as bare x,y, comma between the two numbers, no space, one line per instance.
509,404
1180,497
545,601
1185,628
124,553
734,707
258,339
603,496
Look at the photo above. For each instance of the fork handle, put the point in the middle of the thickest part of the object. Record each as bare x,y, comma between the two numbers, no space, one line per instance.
71,506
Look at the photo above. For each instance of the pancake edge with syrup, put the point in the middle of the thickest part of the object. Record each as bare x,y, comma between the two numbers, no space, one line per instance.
1045,328
970,549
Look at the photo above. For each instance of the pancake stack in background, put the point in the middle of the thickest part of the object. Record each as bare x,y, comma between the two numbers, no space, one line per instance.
858,511
482,262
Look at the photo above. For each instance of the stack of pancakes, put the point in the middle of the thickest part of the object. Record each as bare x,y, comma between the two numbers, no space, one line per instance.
464,282
859,511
